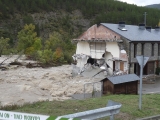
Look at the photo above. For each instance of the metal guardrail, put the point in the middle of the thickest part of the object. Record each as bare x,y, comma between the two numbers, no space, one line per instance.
156,117
111,109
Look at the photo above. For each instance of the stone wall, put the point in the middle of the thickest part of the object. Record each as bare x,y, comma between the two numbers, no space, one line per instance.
126,46
129,47
147,51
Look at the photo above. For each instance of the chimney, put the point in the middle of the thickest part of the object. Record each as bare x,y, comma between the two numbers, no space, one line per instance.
157,28
148,28
142,26
122,26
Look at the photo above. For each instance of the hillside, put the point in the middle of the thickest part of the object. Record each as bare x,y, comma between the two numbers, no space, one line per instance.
67,17
154,6
74,15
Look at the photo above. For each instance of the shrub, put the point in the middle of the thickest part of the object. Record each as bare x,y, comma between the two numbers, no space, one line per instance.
58,56
45,56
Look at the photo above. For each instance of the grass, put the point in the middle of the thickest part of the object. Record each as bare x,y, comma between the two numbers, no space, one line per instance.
128,111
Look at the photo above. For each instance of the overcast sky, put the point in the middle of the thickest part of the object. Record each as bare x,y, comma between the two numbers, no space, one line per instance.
141,2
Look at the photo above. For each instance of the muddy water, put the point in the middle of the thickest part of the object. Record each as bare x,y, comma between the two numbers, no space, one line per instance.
19,85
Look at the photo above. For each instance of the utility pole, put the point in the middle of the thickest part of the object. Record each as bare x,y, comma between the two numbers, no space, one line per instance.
145,14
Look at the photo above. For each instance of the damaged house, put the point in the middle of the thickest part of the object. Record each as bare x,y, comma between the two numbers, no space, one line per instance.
98,48
111,49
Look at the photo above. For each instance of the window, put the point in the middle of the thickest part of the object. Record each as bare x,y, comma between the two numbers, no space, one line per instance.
135,50
152,49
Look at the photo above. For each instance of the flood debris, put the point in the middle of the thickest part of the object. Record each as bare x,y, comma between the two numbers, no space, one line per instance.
89,66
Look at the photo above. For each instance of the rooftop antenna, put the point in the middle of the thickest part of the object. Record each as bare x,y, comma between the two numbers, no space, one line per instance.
145,14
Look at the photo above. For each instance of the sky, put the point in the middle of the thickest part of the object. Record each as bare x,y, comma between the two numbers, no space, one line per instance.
141,2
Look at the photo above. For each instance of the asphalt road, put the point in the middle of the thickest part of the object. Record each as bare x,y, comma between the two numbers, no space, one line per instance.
151,87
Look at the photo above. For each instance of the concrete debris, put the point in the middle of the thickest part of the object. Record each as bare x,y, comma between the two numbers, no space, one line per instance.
89,67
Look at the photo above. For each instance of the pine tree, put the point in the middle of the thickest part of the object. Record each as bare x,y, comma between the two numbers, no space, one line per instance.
28,40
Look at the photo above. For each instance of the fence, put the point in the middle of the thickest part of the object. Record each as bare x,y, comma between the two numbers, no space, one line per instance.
94,91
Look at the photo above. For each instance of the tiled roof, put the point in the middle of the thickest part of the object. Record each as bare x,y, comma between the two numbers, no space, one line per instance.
98,34
134,33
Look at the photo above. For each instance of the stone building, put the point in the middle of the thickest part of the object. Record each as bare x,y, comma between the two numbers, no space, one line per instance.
118,45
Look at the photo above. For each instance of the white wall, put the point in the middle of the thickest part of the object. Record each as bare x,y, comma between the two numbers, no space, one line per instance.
112,51
108,56
81,62
113,48
83,48
97,49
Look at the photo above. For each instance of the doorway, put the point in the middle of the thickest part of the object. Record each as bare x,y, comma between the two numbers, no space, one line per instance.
148,68
122,66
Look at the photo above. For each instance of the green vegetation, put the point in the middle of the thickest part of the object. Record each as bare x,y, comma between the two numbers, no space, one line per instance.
58,17
128,111
28,40
103,10
52,52
3,44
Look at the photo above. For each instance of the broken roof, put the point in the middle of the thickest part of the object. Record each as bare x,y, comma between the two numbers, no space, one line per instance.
123,78
133,32
99,34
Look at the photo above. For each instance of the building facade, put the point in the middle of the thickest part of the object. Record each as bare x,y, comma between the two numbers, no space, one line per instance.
117,45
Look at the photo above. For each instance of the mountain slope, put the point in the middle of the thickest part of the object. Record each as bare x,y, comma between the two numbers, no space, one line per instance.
67,17
154,6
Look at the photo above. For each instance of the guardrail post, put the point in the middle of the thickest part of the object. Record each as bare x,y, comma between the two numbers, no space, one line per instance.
111,117
112,103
